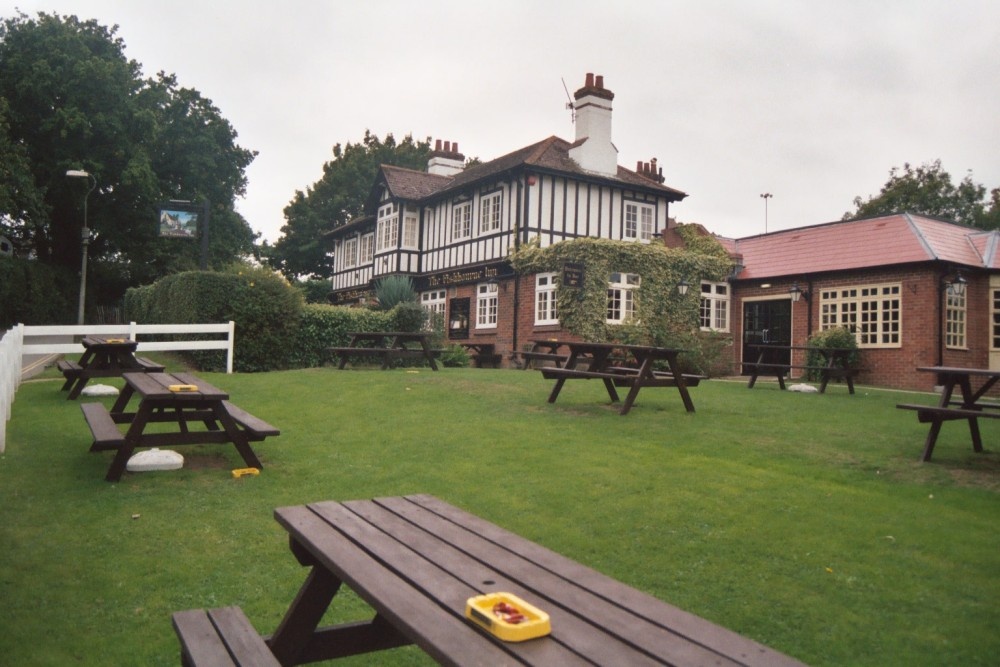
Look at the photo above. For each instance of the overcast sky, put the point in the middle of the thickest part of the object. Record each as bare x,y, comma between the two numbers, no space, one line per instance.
812,101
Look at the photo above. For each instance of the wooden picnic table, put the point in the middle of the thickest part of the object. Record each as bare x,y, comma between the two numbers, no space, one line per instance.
970,406
543,350
387,346
482,353
416,560
836,364
202,415
102,357
599,363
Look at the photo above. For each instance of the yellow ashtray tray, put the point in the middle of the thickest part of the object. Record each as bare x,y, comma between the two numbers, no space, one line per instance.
114,340
182,387
239,472
507,617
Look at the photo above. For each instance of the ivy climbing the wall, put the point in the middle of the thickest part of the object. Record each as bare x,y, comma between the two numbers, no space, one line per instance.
663,317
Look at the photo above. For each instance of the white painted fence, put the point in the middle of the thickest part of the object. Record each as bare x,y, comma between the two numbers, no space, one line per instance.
19,342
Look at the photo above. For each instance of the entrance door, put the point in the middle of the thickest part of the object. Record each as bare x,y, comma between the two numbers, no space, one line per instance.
767,323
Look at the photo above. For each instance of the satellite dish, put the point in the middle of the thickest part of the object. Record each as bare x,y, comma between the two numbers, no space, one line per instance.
6,247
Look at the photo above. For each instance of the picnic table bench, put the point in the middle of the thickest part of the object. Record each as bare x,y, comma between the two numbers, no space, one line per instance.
387,346
160,402
837,366
598,361
102,357
543,351
416,560
971,407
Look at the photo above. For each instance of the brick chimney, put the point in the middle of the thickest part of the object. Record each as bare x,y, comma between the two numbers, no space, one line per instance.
593,149
445,159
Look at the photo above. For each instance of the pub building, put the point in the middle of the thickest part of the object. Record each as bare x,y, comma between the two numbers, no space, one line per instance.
915,290
451,228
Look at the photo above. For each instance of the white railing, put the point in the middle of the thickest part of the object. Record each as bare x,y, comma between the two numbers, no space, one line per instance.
10,376
17,343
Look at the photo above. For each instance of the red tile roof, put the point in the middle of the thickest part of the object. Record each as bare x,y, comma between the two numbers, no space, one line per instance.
861,244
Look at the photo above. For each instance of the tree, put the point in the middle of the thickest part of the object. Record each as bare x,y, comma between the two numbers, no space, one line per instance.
70,99
336,199
928,190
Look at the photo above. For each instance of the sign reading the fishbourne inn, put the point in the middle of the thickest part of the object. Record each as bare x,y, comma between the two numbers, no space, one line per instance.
465,277
572,275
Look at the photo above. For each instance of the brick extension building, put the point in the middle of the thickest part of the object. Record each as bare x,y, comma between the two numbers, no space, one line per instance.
451,229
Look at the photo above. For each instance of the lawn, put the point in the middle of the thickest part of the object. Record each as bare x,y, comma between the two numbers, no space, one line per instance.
804,521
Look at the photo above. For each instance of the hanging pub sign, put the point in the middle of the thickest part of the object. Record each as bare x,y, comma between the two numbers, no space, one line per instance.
179,219
572,275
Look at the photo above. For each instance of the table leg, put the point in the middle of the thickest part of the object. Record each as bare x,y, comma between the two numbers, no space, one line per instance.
291,639
932,436
428,354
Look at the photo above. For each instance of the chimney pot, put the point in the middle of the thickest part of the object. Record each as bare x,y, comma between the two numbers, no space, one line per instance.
454,146
590,79
437,146
638,166
447,147
600,81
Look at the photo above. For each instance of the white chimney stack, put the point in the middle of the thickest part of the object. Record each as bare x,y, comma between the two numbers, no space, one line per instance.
593,149
445,160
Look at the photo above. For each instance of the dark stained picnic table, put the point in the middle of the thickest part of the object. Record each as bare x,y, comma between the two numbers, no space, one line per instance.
387,346
970,405
102,357
836,364
203,415
636,371
416,560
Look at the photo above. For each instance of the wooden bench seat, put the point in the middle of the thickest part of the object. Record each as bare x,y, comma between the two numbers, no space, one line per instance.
557,359
150,366
102,427
936,415
258,428
66,366
220,637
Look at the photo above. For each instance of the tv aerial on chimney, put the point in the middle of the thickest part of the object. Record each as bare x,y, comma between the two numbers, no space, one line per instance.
569,103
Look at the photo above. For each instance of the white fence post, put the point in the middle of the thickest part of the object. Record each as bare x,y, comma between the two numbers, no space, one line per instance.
10,376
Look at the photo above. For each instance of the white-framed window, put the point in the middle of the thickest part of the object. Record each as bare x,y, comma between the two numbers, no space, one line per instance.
461,221
410,231
871,312
714,310
351,252
623,288
367,249
546,311
954,319
434,303
486,306
489,213
387,229
638,222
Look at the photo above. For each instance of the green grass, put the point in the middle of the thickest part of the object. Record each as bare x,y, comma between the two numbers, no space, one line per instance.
806,522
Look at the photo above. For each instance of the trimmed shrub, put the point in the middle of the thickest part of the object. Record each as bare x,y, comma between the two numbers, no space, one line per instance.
322,326
34,293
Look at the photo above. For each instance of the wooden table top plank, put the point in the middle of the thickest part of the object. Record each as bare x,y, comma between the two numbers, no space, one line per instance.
677,620
579,634
156,386
608,630
440,633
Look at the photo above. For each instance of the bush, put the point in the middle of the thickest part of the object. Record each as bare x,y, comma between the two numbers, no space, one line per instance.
455,356
408,316
394,290
841,337
314,291
322,326
263,305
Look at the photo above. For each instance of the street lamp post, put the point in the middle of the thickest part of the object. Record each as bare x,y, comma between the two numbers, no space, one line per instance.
84,237
765,197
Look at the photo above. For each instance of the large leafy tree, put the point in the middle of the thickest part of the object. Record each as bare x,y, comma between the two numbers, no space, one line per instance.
70,99
336,199
929,190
